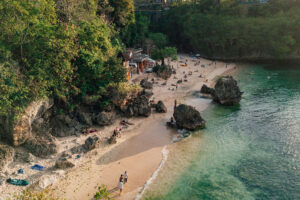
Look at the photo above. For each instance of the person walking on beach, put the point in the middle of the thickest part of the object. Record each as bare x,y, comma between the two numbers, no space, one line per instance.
121,183
125,177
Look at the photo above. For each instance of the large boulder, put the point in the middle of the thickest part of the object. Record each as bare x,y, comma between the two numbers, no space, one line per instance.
91,142
160,107
139,107
63,163
64,125
19,129
105,118
146,84
6,156
147,93
227,91
187,117
84,117
41,147
207,90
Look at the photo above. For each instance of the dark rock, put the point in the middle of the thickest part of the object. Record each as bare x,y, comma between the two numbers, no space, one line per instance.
6,155
78,149
187,117
105,118
23,156
41,147
84,117
147,93
91,142
63,163
227,91
160,107
207,90
146,84
179,81
139,107
64,125
66,155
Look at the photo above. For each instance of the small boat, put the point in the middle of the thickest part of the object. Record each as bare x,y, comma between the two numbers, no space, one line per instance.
19,182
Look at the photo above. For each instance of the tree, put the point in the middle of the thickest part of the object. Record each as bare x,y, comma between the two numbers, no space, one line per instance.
161,54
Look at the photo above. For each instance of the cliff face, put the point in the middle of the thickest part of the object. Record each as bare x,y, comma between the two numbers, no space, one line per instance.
18,131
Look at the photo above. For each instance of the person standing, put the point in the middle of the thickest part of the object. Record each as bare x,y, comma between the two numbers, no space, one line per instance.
125,177
121,183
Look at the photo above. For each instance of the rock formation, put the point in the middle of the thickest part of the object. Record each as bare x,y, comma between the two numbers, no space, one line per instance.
63,163
91,142
207,90
139,106
227,91
105,118
19,129
187,117
41,146
64,125
146,84
6,155
160,107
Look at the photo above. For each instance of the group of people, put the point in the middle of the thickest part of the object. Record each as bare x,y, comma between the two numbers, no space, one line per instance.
123,180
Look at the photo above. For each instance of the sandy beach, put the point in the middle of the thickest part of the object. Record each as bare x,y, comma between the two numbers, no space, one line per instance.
142,147
140,151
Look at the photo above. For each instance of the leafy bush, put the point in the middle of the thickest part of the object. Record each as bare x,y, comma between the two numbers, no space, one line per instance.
102,194
34,195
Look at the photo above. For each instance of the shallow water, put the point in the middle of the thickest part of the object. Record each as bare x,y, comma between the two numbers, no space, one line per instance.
251,150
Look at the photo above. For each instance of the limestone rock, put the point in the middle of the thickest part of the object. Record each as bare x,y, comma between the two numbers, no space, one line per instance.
91,142
84,117
63,163
64,125
160,107
187,117
41,147
19,130
207,90
6,156
105,118
139,107
227,91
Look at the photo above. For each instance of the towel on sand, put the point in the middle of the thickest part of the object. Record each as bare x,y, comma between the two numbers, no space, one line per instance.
37,167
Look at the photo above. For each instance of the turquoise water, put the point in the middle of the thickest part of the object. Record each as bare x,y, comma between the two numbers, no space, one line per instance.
251,150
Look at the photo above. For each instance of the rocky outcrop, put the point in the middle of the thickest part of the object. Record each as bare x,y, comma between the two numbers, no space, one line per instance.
112,139
91,142
63,163
187,117
147,93
64,125
207,90
146,84
105,118
19,129
6,156
160,107
227,91
41,147
139,107
84,117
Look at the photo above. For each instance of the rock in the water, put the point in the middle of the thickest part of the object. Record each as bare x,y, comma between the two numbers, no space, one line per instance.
41,147
63,163
146,84
207,90
187,117
227,91
160,107
91,142
105,118
6,155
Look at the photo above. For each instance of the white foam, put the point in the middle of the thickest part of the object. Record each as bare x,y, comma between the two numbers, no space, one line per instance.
165,153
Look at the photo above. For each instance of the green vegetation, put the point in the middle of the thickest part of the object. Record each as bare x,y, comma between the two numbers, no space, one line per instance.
102,194
64,49
228,29
33,195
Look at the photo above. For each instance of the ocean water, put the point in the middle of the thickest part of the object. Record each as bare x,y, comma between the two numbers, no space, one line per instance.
251,150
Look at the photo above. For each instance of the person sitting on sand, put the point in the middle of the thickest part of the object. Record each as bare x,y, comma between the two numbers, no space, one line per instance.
125,177
121,180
